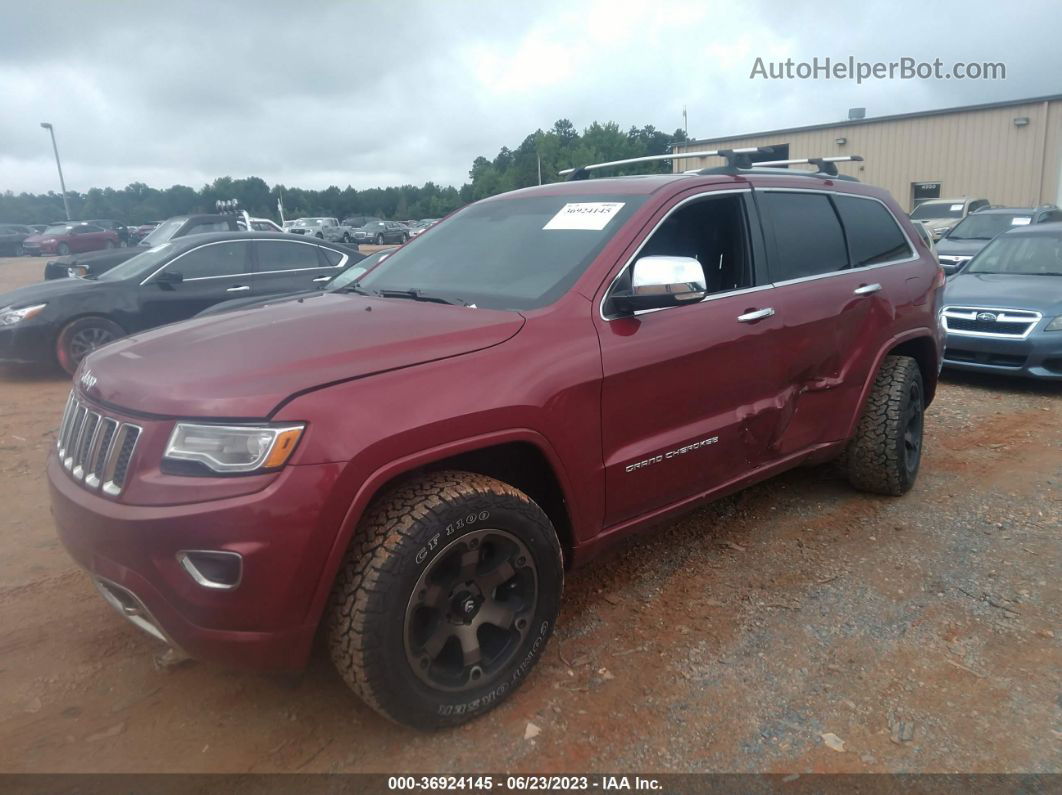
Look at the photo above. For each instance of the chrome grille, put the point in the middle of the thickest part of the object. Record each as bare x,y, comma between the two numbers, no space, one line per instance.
94,448
976,321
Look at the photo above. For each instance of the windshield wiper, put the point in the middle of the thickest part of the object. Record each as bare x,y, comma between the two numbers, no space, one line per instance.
350,288
416,295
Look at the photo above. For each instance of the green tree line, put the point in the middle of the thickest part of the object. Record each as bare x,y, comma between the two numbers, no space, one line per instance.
552,150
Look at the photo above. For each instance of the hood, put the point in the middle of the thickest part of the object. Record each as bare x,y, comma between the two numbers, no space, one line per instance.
42,292
960,248
40,237
1004,291
242,364
257,302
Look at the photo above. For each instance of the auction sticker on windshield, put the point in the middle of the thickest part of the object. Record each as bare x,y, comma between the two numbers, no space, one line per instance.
584,215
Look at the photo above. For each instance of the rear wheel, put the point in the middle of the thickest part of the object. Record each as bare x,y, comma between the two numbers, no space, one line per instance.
884,455
19,251
446,600
81,337
110,244
346,238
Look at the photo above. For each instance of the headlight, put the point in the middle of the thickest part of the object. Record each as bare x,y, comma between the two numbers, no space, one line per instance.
1054,325
233,448
9,316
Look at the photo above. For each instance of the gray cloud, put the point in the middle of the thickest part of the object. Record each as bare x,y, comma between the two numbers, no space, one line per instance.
375,93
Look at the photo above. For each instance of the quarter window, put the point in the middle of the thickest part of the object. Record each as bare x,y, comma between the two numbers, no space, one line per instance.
807,235
282,256
873,235
219,259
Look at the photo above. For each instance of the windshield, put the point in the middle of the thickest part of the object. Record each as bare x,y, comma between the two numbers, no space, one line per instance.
1026,255
937,210
518,253
986,227
140,266
57,230
351,274
163,232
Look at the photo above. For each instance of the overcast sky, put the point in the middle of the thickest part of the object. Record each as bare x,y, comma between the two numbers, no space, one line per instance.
364,93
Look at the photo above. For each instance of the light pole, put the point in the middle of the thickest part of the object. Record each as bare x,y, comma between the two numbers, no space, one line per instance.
62,184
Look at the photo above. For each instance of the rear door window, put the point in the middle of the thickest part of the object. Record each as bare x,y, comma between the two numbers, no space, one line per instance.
873,234
279,255
808,240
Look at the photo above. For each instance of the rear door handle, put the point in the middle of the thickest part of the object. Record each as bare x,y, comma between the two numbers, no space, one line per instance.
752,317
239,288
322,279
867,289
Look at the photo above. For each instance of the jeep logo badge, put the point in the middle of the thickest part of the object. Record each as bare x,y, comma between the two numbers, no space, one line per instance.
88,380
986,317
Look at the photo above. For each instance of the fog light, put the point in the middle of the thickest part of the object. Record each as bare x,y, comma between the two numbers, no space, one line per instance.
215,569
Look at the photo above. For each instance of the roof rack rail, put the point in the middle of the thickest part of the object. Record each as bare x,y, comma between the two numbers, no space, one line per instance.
826,165
735,158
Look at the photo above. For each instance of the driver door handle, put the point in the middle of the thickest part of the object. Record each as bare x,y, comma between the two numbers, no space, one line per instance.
239,288
867,289
322,279
758,314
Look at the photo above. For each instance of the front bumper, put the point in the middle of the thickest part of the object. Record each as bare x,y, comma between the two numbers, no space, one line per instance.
1037,356
28,342
283,533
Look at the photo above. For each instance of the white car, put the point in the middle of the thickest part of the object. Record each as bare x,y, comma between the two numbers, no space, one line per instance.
323,228
261,225
940,215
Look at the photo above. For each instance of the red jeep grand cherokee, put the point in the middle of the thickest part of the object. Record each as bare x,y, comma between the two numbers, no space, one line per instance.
416,461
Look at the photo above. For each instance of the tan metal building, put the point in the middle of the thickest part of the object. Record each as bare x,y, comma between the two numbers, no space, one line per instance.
1007,152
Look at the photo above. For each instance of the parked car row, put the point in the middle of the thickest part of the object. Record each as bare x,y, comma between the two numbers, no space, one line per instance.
63,320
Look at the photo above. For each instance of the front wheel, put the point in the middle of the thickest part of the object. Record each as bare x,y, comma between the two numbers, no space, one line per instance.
81,337
884,455
346,238
447,598
64,249
379,240
19,251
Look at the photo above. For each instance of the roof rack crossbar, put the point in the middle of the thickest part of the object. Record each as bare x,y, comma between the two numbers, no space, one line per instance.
736,158
825,165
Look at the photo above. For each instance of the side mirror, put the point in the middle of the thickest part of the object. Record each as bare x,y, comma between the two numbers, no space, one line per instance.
658,282
168,278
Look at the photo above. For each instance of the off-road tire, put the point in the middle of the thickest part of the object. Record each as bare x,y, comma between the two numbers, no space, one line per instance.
403,532
879,458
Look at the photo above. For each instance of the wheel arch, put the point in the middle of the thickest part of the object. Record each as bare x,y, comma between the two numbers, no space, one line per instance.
522,458
921,346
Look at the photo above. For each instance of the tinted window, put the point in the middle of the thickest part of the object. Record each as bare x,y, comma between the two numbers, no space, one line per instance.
218,259
807,235
986,226
278,255
330,257
873,235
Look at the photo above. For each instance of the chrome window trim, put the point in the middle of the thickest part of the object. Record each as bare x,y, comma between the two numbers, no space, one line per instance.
910,244
829,274
630,261
1032,317
198,248
290,270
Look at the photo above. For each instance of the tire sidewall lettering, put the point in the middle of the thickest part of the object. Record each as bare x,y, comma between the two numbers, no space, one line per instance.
460,526
498,691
